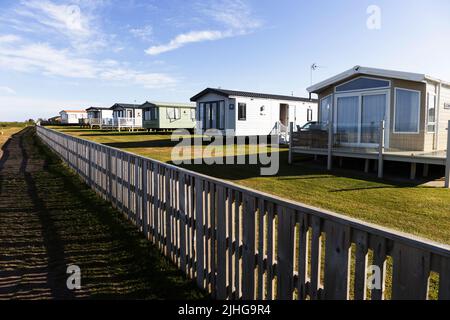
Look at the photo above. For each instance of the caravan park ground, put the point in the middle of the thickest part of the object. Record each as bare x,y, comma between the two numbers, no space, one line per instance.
401,205
49,219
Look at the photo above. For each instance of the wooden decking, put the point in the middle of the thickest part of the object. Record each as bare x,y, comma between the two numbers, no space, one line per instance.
437,157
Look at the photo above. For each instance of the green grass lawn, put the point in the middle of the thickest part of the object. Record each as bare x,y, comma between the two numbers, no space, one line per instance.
422,211
7,129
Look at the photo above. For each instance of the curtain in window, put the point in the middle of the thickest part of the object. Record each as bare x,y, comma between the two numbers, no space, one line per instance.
222,114
214,115
201,115
407,111
372,113
347,119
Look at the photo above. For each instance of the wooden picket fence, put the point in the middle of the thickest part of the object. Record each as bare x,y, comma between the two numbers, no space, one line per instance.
239,243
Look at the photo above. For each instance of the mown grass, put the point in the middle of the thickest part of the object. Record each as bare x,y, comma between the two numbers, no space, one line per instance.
7,129
57,220
404,206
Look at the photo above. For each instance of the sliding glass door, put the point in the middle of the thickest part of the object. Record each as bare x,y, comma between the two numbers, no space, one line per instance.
347,119
358,117
373,111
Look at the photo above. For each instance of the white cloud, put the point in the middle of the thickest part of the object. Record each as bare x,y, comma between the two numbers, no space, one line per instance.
41,57
145,33
74,21
63,16
7,90
234,15
9,38
186,38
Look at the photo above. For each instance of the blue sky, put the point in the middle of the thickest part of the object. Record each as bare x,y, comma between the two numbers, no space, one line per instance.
79,53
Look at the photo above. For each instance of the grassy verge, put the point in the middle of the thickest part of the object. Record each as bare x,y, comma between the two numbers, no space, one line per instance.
72,225
404,206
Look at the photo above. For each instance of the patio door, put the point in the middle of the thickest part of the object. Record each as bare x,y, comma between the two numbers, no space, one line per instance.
212,115
358,117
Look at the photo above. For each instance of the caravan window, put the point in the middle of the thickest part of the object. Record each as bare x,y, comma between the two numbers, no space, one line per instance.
407,109
242,111
222,115
151,114
309,116
431,112
363,83
325,109
173,113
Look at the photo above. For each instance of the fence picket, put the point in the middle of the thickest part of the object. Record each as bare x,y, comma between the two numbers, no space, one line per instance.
248,248
221,281
285,258
337,250
410,274
199,239
361,257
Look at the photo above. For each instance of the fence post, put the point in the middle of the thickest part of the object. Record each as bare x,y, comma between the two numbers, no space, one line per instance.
291,131
381,150
330,146
88,145
144,206
447,163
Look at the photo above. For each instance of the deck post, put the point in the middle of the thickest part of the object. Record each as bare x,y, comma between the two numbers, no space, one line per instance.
426,169
366,165
381,150
330,146
291,130
447,163
412,176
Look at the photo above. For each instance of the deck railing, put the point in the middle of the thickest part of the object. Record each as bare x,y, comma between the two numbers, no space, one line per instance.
239,243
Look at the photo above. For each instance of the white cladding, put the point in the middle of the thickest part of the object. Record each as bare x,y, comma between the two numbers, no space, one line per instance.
130,113
262,115
72,117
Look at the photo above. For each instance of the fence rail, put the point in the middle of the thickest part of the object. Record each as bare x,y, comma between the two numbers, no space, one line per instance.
238,243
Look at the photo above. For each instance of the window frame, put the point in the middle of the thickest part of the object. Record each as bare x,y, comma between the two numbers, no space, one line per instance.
329,111
361,95
210,114
433,123
365,89
148,112
239,118
174,109
395,111
309,115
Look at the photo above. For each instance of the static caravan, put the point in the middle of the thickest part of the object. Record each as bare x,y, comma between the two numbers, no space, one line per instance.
415,108
168,116
97,117
250,113
127,116
72,116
